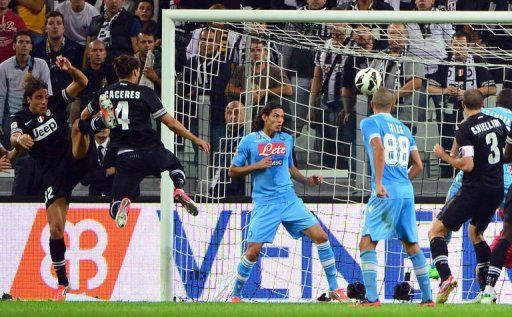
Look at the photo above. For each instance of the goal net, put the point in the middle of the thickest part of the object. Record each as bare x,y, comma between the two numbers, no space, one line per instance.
229,70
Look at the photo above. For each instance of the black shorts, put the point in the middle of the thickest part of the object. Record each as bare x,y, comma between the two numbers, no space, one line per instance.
60,180
477,204
132,167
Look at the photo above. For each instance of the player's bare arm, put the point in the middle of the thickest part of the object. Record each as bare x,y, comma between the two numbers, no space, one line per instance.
21,141
178,128
416,164
378,161
79,79
312,181
464,163
241,171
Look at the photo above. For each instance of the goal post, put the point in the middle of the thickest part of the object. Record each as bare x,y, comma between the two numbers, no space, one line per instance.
169,84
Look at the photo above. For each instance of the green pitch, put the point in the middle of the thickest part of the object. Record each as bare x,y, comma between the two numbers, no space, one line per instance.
95,309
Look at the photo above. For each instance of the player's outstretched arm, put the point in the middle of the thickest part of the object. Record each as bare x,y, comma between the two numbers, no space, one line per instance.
178,128
313,180
378,162
416,164
242,171
79,79
464,163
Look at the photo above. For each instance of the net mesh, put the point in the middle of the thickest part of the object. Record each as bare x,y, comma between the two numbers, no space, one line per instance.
226,81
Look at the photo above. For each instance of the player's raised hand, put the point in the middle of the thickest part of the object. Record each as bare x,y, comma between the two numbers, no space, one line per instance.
266,162
439,150
25,141
4,163
315,180
381,191
203,145
63,63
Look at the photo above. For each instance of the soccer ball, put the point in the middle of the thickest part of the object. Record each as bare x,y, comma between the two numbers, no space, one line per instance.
368,81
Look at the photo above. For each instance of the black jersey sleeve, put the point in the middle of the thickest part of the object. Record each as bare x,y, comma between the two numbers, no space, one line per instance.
60,100
155,105
464,140
94,105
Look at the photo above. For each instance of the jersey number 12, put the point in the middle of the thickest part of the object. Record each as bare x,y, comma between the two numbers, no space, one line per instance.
122,110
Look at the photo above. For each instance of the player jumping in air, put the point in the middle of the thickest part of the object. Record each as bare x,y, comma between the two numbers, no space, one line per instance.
127,109
390,211
268,154
479,142
41,128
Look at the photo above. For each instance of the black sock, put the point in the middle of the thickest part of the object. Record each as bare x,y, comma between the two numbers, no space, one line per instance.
91,126
497,259
439,251
483,258
178,178
57,251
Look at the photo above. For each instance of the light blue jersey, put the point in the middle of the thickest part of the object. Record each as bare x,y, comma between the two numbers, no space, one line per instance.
504,115
398,144
274,182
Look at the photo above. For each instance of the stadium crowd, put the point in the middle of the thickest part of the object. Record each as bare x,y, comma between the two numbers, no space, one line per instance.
92,33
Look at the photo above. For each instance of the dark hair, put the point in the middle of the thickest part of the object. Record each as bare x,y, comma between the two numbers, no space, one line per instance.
258,123
459,34
148,1
53,14
24,32
473,99
504,98
149,29
124,65
32,85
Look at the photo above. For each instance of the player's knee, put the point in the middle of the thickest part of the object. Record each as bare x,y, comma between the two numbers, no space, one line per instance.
252,255
320,237
56,229
411,248
437,230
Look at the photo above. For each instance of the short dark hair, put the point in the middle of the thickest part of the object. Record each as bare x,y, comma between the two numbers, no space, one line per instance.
504,98
32,84
473,99
258,123
148,1
459,34
125,64
24,32
53,14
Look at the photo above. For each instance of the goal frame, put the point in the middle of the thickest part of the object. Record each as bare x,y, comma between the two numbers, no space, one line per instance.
171,16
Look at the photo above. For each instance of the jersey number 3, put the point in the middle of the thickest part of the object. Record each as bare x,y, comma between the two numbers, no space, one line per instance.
396,150
122,110
492,140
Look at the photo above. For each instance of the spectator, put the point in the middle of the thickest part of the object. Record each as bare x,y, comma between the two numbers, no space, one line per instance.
11,23
100,165
150,62
462,5
117,28
12,75
452,81
403,78
327,84
207,73
56,44
33,12
130,6
145,11
267,85
99,75
237,53
222,186
79,16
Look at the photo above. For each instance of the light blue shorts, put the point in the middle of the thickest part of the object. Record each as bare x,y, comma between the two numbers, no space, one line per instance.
266,218
390,218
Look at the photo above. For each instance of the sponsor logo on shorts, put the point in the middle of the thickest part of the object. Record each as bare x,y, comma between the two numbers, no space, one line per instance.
45,130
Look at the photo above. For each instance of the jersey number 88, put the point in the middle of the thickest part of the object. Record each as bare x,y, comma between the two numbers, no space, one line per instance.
396,150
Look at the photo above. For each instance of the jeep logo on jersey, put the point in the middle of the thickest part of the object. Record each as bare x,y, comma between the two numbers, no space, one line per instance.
44,130
268,149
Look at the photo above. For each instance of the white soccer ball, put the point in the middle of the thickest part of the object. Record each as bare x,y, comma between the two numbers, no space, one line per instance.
368,81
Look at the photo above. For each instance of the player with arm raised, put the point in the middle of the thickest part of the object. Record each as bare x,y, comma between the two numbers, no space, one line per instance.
268,154
390,211
127,109
479,142
41,128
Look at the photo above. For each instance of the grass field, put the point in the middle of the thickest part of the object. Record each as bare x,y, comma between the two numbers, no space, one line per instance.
95,309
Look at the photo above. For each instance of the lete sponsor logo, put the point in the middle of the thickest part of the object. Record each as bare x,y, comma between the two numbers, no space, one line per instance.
95,252
274,148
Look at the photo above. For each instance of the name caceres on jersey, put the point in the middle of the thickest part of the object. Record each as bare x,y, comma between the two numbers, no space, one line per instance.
484,137
50,131
135,106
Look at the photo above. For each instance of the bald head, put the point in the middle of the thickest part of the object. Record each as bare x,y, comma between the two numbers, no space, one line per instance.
473,99
383,100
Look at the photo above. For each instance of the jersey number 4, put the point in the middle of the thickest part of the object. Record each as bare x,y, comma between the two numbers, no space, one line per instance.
396,150
122,110
495,155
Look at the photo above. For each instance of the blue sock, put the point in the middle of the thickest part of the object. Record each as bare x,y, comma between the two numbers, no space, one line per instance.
421,270
244,271
369,265
326,256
